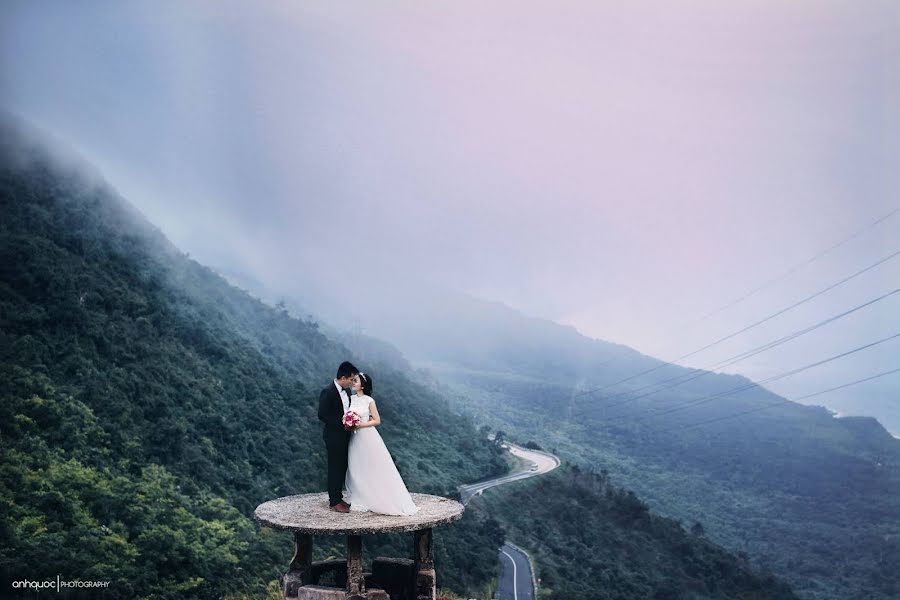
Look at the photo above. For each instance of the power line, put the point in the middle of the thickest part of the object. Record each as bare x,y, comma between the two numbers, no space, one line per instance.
739,389
790,271
793,269
759,349
787,401
692,375
742,388
747,328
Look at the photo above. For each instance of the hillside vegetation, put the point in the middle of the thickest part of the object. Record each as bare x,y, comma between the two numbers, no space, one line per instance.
147,407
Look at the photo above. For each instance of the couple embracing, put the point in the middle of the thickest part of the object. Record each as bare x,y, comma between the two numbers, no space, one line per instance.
356,453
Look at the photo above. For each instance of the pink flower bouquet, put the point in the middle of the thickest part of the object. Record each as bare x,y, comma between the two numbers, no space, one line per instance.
351,419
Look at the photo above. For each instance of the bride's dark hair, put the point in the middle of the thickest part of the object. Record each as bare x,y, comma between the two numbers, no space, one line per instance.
366,380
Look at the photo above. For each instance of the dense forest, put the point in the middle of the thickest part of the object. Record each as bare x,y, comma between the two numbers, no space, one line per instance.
812,498
592,540
147,407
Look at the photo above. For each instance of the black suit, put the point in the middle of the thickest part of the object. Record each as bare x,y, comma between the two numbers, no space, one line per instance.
337,439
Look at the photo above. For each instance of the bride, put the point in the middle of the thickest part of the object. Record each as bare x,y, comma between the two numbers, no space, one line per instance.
373,483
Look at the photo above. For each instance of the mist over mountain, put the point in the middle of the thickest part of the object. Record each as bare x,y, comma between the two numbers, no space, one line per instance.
814,498
148,406
559,164
438,327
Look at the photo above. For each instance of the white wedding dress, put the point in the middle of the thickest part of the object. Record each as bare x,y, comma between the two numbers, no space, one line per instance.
373,483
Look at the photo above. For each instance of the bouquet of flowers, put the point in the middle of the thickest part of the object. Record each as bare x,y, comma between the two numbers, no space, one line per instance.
351,419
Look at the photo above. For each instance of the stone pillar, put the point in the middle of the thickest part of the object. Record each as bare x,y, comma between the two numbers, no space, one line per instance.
300,569
356,587
425,582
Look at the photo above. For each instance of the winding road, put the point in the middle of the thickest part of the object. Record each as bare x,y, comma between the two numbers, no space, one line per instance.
516,575
541,462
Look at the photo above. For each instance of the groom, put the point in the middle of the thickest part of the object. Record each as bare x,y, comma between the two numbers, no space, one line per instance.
333,403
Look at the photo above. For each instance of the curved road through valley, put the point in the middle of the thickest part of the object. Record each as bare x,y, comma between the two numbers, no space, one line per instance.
516,577
539,463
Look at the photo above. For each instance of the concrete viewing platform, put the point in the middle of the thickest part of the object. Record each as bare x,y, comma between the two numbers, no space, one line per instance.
391,578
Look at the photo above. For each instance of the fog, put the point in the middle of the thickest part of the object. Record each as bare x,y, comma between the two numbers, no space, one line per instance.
624,168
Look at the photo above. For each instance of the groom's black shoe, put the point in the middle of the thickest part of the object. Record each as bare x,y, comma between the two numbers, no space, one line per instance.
341,507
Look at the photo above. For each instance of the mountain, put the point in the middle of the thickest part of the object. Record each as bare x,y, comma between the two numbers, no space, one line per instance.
592,540
148,406
814,498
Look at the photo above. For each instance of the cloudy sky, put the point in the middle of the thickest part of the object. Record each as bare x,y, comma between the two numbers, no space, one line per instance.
621,167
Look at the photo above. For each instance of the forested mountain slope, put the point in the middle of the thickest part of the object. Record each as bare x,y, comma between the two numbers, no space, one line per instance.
148,406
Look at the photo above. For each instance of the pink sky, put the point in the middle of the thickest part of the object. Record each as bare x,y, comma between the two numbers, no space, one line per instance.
621,167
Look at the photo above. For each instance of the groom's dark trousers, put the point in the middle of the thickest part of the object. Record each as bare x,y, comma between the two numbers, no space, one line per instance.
337,439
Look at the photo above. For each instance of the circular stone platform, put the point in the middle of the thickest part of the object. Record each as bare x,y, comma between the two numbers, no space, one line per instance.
309,513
